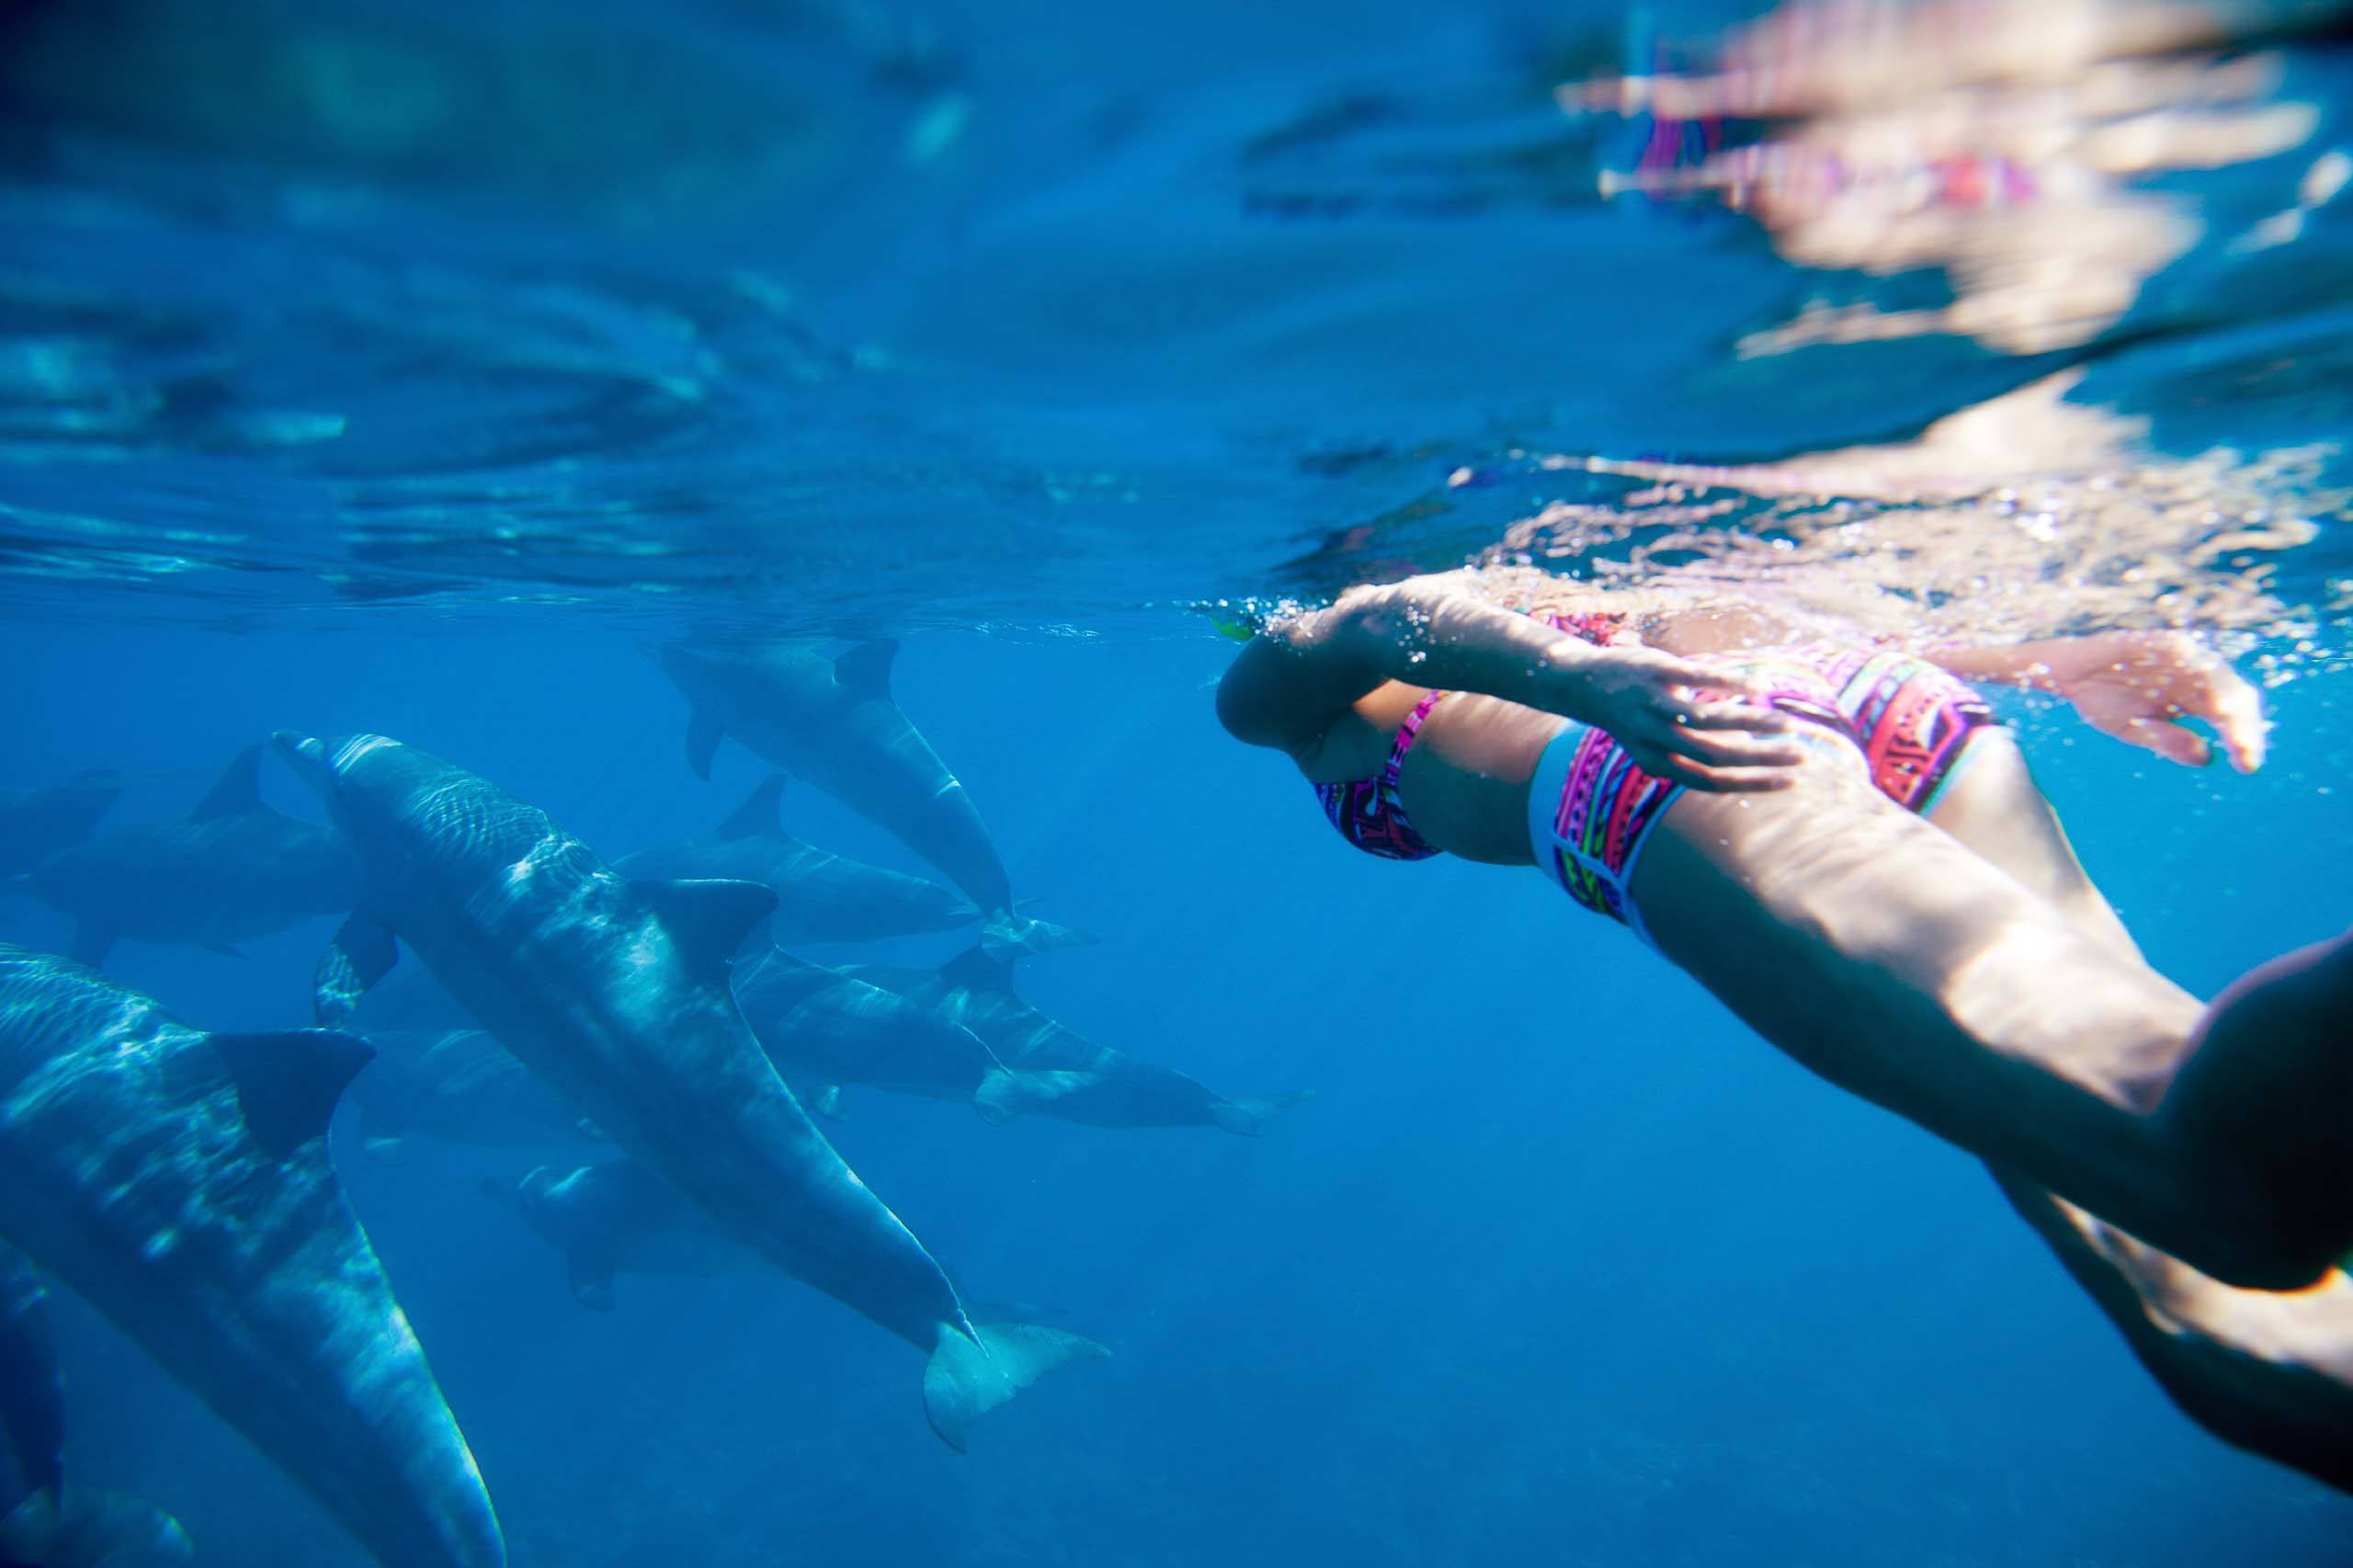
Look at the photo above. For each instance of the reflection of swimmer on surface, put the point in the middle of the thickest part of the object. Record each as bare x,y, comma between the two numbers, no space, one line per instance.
1996,142
1835,838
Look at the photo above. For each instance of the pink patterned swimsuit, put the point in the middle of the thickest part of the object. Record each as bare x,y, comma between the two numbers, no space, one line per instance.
1368,812
1591,808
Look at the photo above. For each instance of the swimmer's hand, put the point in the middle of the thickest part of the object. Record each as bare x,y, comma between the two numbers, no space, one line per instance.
2140,686
1651,704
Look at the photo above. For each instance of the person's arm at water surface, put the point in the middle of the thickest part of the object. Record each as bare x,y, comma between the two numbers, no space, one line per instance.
2135,686
1293,681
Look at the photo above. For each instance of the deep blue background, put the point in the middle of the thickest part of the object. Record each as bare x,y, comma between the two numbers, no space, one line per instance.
1561,1266
319,412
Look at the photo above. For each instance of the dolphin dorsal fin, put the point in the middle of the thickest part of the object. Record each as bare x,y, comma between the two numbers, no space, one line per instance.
865,670
707,920
760,815
238,792
977,969
287,1081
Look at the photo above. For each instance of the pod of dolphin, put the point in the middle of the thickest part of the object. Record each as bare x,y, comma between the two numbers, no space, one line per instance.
179,1181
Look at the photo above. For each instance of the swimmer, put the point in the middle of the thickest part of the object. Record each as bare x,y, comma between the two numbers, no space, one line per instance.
1846,847
1818,832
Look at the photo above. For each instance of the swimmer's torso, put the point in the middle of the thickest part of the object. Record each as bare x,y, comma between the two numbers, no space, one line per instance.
1464,783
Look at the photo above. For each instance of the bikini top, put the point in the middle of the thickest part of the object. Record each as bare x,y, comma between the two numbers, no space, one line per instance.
1368,812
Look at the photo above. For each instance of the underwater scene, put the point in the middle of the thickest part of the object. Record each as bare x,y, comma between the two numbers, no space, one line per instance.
678,682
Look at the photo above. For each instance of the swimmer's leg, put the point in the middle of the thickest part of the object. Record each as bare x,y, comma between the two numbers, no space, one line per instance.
1878,952
2270,1373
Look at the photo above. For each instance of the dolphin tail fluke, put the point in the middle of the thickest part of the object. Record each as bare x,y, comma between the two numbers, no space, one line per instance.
362,953
704,731
1248,1116
969,1376
91,1528
1008,936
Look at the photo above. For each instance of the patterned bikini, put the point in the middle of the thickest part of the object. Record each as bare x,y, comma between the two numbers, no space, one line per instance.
1591,808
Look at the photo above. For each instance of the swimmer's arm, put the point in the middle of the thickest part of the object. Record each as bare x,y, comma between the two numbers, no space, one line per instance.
2135,686
1288,687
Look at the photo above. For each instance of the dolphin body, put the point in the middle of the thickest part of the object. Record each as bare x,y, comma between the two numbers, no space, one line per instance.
1067,1076
32,1393
231,869
178,1182
820,896
457,1086
40,1522
91,1528
821,1027
616,993
832,722
37,824
616,1217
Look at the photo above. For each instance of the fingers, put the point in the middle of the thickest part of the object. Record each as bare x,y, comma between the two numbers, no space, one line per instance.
1666,670
1729,748
1746,716
2238,716
1727,781
2171,741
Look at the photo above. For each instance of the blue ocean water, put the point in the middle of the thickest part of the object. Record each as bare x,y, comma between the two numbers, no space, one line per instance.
417,377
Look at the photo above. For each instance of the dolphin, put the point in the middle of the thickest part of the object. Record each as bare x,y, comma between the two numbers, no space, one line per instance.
821,896
458,1086
832,722
37,824
615,1218
232,869
616,993
40,1521
91,1528
178,1182
820,1025
33,1394
1069,1077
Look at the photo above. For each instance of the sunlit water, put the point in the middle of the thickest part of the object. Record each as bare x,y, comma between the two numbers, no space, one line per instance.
414,379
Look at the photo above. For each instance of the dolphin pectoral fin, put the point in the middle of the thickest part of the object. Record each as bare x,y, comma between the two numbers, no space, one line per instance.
826,1100
226,949
383,1152
760,815
865,670
967,1376
288,1082
708,921
363,951
1007,936
90,945
590,1279
92,1528
238,793
704,731
1247,1116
